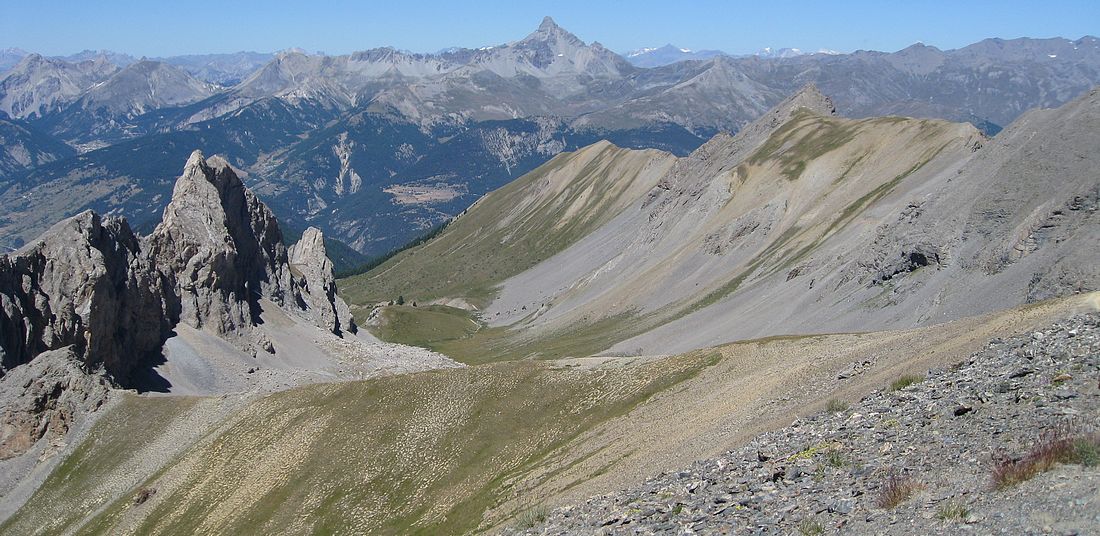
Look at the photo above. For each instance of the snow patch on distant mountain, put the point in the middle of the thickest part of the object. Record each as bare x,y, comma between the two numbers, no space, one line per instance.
658,56
769,52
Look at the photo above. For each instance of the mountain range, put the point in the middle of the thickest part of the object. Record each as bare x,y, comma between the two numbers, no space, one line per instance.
377,147
664,55
803,222
608,320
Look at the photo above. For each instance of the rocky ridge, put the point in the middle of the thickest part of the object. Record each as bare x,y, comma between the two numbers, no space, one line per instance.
94,291
943,435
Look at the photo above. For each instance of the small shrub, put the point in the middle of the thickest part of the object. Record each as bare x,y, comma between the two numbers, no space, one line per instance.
1087,450
836,405
532,517
905,381
952,511
810,452
143,494
1058,444
835,459
810,527
896,490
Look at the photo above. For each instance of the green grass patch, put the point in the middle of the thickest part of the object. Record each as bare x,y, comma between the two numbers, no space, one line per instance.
426,453
952,510
424,326
905,381
493,241
811,527
805,137
579,340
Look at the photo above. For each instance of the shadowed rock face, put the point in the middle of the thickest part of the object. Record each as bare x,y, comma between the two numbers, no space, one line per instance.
92,290
83,284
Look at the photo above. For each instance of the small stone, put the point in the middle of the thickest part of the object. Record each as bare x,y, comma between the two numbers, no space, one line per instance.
962,410
842,506
1020,373
1064,394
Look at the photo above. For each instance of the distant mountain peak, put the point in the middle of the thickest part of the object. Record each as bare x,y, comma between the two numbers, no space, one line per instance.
811,98
549,31
548,24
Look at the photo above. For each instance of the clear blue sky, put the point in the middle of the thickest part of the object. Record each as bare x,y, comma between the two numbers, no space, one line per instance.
158,28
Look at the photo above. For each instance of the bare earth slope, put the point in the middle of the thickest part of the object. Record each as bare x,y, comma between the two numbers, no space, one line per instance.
517,226
1014,222
804,223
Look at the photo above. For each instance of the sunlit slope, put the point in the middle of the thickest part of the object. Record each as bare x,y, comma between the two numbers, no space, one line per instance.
739,207
516,227
420,453
720,220
461,450
803,222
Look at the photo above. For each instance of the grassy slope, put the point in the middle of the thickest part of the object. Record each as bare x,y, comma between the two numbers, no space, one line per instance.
513,228
468,259
426,453
453,451
81,483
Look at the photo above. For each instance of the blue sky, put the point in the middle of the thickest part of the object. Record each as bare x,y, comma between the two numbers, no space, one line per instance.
156,28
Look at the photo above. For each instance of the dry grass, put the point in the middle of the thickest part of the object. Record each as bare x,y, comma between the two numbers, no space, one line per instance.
897,489
836,405
1062,443
532,517
952,510
905,381
811,527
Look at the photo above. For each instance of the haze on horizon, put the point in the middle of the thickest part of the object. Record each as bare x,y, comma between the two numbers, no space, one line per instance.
205,26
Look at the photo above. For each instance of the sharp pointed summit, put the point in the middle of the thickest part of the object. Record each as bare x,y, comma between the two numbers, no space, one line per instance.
548,24
549,31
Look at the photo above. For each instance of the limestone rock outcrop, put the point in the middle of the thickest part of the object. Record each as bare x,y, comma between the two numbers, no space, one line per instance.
83,284
313,277
45,398
220,247
102,301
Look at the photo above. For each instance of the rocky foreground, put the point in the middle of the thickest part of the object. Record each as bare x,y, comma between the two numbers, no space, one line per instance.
947,454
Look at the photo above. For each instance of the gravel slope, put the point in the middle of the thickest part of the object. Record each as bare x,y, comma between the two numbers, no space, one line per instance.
945,434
